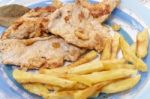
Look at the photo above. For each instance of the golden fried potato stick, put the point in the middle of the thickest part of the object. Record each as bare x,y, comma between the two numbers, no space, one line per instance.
113,62
121,85
62,70
116,64
109,75
59,72
106,54
43,90
119,66
97,77
79,79
131,57
85,59
133,47
52,88
77,86
61,95
25,77
86,68
90,91
116,27
115,45
36,88
142,43
90,67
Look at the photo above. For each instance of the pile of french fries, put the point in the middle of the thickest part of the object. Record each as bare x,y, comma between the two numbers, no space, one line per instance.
91,75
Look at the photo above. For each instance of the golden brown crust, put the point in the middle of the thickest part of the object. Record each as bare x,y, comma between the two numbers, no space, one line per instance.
34,53
99,9
32,24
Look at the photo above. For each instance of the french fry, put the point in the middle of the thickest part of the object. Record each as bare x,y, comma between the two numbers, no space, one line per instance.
80,79
106,54
142,43
113,62
131,57
109,75
53,88
36,88
59,72
63,70
133,48
90,91
92,66
77,86
115,45
121,85
116,27
25,77
61,95
85,59
118,66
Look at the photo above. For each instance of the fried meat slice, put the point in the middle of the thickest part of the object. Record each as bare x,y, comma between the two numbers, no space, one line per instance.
77,24
101,10
49,52
32,24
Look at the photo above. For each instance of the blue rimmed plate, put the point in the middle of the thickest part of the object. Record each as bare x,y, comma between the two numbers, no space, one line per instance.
10,89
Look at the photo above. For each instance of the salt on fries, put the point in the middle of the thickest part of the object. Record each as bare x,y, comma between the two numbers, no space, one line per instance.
89,76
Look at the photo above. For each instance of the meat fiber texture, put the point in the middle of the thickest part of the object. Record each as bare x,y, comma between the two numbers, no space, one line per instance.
48,52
